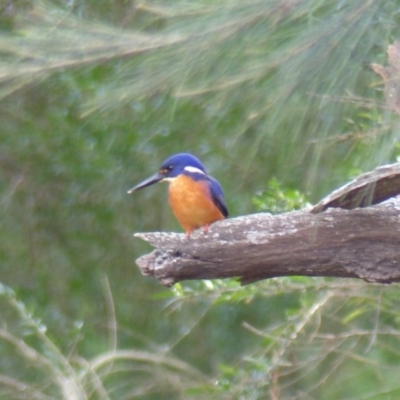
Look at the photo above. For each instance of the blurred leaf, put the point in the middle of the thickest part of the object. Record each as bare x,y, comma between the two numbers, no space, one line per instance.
276,199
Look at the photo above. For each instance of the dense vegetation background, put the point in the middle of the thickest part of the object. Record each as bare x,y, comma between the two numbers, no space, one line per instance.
280,102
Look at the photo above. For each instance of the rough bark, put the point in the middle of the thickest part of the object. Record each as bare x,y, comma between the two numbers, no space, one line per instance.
367,189
360,243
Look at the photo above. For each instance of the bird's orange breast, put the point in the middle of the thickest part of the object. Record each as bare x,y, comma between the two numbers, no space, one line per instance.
192,204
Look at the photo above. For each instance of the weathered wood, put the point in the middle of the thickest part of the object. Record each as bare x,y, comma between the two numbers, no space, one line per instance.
360,243
368,189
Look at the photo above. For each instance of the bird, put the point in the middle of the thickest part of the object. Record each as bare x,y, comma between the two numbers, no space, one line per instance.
196,198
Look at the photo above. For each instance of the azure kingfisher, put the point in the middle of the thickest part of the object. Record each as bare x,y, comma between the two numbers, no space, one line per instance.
196,199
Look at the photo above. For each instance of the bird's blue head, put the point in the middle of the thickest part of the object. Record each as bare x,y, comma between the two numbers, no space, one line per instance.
171,168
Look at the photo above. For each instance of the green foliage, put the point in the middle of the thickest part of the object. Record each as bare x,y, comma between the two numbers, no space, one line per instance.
276,199
323,336
279,101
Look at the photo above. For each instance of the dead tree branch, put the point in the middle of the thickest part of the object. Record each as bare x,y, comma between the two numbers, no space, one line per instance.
359,243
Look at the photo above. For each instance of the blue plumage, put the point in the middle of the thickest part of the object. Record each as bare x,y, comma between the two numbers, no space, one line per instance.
196,198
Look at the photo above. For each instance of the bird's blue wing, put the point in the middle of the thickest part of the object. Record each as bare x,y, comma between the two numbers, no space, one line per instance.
217,195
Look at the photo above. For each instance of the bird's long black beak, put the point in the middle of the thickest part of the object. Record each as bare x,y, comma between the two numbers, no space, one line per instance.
147,182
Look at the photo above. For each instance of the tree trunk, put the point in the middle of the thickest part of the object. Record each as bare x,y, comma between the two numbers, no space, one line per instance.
360,243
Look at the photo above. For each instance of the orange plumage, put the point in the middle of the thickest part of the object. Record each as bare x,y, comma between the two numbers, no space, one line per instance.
196,199
192,204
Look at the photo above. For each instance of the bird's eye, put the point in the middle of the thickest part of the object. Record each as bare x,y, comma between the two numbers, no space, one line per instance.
165,170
